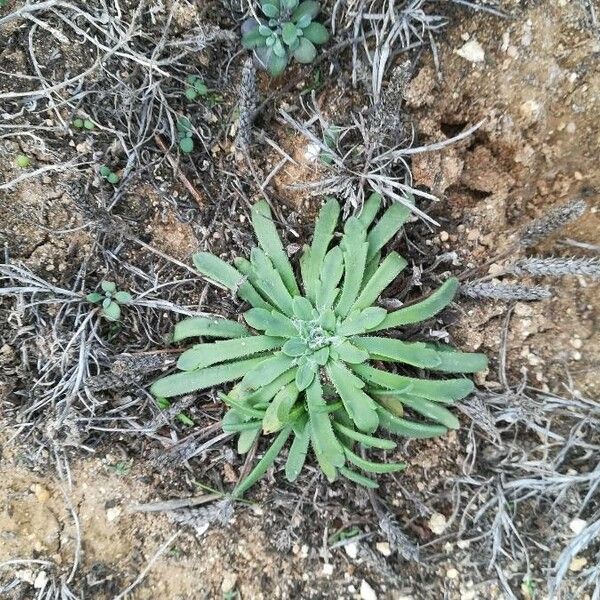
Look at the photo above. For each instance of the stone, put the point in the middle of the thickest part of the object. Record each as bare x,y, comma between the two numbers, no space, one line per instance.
366,591
437,523
577,526
472,51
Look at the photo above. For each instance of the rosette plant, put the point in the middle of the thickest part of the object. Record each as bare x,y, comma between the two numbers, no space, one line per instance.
309,361
287,29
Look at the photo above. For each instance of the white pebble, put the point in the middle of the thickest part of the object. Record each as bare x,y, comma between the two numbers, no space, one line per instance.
366,591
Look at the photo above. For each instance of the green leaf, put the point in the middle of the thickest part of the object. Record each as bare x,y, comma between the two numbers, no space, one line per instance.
426,408
105,171
370,209
358,478
321,356
113,178
185,383
327,449
289,33
406,428
268,370
349,353
112,312
123,297
453,361
279,408
266,233
219,271
208,327
363,438
303,309
316,33
253,39
274,64
297,454
191,94
331,273
359,406
242,409
108,286
309,7
95,297
305,374
305,52
205,355
361,321
269,281
373,467
354,248
446,391
372,266
270,9
295,347
265,393
272,322
388,270
246,439
386,228
264,463
423,310
186,145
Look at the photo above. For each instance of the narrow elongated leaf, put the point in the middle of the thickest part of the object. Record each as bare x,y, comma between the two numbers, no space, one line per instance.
416,354
297,454
270,282
268,238
373,467
324,228
386,228
358,478
303,309
264,463
331,273
361,321
279,408
406,428
391,266
246,439
204,355
359,406
370,209
453,361
426,408
219,271
272,322
363,438
446,391
265,393
328,450
423,310
370,268
305,374
185,383
354,248
208,327
349,353
267,371
241,408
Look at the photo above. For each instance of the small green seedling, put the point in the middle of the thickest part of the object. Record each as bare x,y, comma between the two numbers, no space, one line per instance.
184,133
111,300
23,161
331,137
121,469
83,124
163,404
288,30
109,175
195,87
3,3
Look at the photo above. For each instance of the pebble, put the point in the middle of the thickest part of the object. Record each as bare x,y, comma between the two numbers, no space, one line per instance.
437,523
351,549
577,564
40,581
41,493
472,51
577,526
452,574
576,343
383,548
113,513
444,236
228,583
366,591
327,569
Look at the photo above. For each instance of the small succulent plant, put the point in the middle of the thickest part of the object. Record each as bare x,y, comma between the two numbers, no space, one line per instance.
111,300
194,87
185,133
307,374
286,30
109,174
83,124
23,161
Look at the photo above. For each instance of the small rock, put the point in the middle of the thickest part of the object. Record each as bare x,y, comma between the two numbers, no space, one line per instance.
437,523
351,549
472,51
383,548
444,236
576,343
452,574
327,569
113,513
577,564
366,591
228,583
41,493
577,526
40,581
